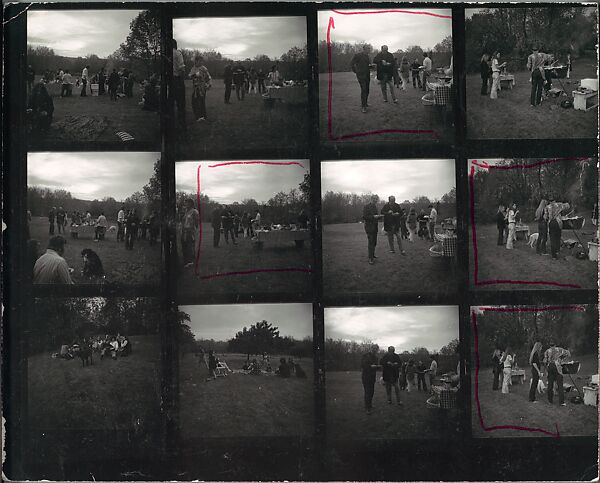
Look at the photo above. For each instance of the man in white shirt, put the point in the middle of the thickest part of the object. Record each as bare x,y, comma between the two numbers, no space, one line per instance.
51,267
179,85
427,68
512,226
121,224
432,371
101,226
84,80
432,222
67,85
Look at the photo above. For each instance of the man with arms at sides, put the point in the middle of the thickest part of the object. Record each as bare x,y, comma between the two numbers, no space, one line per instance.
386,66
179,85
189,227
535,65
360,66
432,371
369,368
391,212
370,218
228,81
84,80
390,364
427,69
51,267
216,222
432,221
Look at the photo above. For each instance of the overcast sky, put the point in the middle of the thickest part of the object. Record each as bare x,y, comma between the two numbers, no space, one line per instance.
402,327
90,176
405,179
76,33
227,184
239,38
222,322
396,30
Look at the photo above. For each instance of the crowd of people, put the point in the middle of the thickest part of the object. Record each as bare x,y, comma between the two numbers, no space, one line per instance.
408,375
253,367
391,73
538,65
504,363
398,224
236,76
104,345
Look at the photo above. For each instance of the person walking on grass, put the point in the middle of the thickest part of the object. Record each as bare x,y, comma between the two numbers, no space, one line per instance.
391,212
370,219
390,364
189,228
507,362
201,81
369,368
512,225
386,66
360,65
536,371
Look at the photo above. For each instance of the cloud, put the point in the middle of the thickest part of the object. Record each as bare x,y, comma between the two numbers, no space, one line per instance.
227,184
241,37
76,33
90,175
402,327
397,30
405,179
222,322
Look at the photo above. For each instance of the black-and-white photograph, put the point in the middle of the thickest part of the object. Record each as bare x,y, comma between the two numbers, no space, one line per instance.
389,226
534,223
250,232
95,80
535,371
242,79
246,371
532,72
93,218
93,378
386,76
392,372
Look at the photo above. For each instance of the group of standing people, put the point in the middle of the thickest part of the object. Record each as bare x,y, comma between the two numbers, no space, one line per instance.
389,73
397,224
396,374
504,363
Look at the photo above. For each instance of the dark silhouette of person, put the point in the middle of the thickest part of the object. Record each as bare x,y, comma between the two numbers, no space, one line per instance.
113,84
360,65
228,81
216,226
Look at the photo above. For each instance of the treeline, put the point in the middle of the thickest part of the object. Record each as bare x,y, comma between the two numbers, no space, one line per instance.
282,208
293,65
570,329
344,355
63,321
139,53
338,207
41,199
286,345
342,53
575,182
556,29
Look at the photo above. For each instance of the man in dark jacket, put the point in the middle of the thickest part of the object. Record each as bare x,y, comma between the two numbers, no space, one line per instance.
113,84
360,65
228,81
386,66
369,368
227,221
370,218
500,224
415,73
390,364
392,213
216,226
239,79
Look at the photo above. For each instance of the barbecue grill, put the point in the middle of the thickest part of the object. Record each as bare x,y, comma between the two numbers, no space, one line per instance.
570,368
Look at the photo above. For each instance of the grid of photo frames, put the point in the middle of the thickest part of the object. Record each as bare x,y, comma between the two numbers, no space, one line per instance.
306,241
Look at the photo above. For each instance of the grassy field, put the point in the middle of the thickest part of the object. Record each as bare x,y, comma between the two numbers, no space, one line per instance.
119,395
241,405
138,266
514,409
246,125
409,113
348,420
522,263
97,119
511,116
346,268
245,257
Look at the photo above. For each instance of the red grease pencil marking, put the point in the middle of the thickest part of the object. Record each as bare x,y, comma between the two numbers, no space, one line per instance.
245,272
342,137
554,434
485,165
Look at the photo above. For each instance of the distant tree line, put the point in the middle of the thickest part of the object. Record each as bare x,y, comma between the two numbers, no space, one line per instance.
41,199
575,182
344,355
342,53
573,330
293,64
280,208
556,29
338,207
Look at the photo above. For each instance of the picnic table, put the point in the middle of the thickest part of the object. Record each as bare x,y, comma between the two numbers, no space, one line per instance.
287,94
280,237
507,81
519,374
448,241
83,230
522,232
